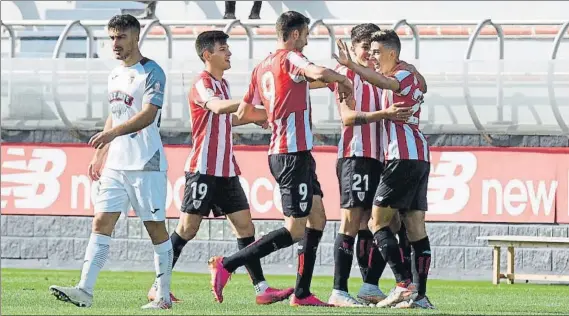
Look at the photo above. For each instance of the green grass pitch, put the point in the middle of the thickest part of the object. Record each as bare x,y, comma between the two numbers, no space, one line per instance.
25,292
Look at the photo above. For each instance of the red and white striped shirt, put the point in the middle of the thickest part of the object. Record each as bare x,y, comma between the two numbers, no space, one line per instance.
404,140
364,140
278,83
212,150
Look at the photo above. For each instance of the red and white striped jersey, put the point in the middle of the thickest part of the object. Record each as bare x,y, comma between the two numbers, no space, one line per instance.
404,140
363,140
278,83
212,150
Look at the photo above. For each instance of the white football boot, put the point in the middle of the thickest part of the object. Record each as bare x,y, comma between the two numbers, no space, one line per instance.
73,295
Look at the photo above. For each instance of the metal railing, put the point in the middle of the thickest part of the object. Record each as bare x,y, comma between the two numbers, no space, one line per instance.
500,97
248,25
329,25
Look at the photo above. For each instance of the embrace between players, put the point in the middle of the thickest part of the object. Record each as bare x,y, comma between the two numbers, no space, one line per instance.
383,165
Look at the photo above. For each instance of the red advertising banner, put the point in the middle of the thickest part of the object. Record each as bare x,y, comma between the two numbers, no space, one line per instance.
510,185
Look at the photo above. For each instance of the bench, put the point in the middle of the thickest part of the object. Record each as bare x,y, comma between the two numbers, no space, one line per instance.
522,241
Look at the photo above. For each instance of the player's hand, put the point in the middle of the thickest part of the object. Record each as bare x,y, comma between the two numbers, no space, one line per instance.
100,139
398,113
94,170
343,57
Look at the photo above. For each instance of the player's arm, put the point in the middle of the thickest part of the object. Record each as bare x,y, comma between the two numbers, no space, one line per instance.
373,77
248,113
325,76
318,85
206,96
219,106
96,164
137,122
299,66
351,117
101,153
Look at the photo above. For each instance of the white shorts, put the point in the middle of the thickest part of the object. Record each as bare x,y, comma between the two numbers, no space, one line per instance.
145,191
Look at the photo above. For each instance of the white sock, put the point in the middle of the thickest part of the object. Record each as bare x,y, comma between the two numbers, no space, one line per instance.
95,257
261,287
163,256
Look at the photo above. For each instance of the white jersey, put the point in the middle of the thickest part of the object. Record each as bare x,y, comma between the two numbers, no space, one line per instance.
130,88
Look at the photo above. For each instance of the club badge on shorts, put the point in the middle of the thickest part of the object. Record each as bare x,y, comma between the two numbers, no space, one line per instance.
197,203
361,196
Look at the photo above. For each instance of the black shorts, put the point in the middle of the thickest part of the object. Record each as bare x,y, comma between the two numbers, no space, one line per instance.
403,185
295,174
204,194
358,178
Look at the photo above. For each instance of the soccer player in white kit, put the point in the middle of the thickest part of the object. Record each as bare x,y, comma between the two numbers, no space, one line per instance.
135,168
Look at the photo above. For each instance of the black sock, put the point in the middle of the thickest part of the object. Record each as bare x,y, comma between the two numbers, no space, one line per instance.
178,244
365,239
254,266
422,254
405,248
376,264
343,257
306,260
389,249
267,244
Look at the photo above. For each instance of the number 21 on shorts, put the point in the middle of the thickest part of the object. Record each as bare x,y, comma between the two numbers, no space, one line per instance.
358,180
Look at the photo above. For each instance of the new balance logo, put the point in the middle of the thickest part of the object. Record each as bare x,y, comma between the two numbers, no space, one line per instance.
449,190
30,177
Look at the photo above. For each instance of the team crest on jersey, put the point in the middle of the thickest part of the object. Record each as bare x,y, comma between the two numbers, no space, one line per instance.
197,203
361,196
303,206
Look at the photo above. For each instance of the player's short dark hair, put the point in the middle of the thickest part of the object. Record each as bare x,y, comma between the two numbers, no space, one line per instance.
123,22
290,21
207,40
388,38
363,32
